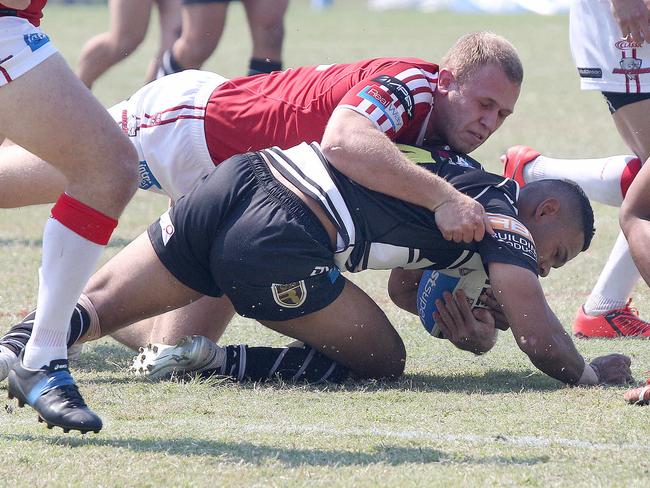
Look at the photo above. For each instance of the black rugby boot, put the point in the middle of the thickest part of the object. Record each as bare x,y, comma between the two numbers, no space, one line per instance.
52,392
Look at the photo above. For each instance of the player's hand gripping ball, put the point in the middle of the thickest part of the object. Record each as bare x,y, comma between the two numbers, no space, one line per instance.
470,278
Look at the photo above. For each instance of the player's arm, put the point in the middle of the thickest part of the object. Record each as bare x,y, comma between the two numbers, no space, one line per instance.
540,335
635,221
16,4
403,288
353,144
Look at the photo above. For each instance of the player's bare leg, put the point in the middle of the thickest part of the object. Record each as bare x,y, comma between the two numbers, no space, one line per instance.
203,25
206,317
354,332
351,335
266,22
170,22
72,131
123,295
26,179
128,25
610,296
118,296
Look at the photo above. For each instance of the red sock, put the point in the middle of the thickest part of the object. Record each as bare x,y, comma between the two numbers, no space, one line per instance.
83,220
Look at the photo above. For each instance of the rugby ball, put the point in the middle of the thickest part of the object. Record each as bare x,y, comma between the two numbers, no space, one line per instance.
469,277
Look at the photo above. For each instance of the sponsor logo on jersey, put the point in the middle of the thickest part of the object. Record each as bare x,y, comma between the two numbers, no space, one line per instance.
373,95
510,231
147,178
509,224
625,44
401,91
166,227
36,40
319,270
461,161
518,243
416,154
289,295
590,72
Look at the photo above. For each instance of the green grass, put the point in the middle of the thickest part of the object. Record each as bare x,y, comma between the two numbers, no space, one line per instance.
454,419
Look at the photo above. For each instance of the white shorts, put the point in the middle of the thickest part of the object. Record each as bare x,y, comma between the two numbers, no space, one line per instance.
606,61
22,47
164,121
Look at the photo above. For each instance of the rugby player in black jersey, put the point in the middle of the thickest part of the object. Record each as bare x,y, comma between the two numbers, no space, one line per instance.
273,229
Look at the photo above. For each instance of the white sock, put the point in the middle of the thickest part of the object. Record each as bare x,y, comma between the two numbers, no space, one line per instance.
599,178
68,261
615,282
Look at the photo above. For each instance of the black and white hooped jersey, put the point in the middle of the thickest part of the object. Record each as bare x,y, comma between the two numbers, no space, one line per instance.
376,231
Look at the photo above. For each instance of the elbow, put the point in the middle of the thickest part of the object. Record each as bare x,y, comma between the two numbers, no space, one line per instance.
333,148
397,296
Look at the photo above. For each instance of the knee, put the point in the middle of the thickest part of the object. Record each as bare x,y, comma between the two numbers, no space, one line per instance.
125,43
123,168
386,365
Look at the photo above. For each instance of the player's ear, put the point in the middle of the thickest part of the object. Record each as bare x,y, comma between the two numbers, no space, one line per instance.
446,80
547,208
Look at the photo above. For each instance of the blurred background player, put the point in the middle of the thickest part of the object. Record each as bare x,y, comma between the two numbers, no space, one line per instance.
203,23
37,93
609,46
128,25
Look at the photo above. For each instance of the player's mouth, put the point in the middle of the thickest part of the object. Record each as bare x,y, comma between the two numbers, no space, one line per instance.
477,136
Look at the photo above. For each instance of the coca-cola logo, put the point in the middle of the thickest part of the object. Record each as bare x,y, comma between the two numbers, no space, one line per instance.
625,44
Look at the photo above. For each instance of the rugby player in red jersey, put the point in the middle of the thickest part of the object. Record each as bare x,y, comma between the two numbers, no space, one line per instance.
184,124
48,112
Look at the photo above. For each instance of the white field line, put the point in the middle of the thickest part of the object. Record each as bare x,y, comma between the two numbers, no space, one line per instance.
420,435
415,435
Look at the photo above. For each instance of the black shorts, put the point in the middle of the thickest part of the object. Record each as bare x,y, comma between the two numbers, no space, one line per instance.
242,233
616,100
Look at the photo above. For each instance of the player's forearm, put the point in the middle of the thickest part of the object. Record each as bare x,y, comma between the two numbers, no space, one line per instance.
557,357
368,157
538,332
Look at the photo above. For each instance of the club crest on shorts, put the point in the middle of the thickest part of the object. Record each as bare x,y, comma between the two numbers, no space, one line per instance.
166,227
289,295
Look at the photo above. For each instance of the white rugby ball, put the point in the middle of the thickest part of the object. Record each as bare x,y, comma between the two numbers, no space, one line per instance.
469,277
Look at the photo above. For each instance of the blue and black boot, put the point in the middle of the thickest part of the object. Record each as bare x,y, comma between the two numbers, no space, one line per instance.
52,392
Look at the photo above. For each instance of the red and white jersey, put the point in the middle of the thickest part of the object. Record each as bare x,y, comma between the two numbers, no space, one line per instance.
285,108
33,13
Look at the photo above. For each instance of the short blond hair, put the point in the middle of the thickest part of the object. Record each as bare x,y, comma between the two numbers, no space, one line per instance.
478,49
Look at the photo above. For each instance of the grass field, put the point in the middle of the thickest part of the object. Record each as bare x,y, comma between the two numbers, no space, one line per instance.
453,420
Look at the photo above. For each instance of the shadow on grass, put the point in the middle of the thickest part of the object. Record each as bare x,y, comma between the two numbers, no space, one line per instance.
104,357
117,358
114,357
496,381
259,454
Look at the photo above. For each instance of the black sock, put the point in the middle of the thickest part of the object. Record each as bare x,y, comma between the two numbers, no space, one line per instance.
287,363
169,65
17,337
258,66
